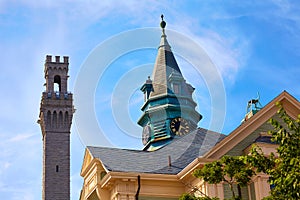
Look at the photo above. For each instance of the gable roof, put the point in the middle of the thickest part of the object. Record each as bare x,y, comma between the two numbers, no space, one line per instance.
257,123
182,151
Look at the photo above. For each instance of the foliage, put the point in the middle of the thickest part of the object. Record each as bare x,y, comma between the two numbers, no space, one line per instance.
233,170
268,198
285,176
283,169
259,161
192,197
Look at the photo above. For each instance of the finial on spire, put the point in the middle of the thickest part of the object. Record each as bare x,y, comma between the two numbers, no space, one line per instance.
162,23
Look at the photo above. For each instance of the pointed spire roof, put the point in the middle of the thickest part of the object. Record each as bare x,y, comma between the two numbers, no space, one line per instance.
165,64
170,98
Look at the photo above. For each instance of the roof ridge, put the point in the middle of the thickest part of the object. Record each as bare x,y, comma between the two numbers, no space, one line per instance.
114,148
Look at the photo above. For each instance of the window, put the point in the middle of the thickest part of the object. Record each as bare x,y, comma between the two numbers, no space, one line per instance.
252,191
54,120
102,174
57,83
57,168
176,88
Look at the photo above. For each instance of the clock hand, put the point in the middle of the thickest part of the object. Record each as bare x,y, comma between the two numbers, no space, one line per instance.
179,128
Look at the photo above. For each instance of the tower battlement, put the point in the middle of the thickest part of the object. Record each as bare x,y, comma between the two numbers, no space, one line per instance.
57,59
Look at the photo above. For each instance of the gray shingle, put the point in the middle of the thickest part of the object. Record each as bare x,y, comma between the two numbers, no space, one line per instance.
182,151
165,64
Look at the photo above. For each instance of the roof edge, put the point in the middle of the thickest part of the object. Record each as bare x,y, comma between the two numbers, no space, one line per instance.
85,169
266,112
192,166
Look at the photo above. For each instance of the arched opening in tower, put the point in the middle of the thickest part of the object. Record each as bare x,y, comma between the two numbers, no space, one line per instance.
57,83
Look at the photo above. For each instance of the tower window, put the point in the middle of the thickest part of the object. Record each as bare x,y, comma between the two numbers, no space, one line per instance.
60,118
49,118
66,120
176,89
54,119
57,83
57,168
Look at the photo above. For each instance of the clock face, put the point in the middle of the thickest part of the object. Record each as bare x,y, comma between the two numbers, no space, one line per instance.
179,126
146,134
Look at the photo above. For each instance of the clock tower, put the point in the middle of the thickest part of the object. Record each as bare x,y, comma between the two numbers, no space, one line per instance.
168,109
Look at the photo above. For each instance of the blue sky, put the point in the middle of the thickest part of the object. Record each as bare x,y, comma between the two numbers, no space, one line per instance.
253,46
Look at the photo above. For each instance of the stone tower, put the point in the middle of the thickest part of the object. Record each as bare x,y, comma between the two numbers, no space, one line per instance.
55,119
169,109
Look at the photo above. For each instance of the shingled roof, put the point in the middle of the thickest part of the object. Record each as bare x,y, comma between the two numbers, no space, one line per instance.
182,152
164,66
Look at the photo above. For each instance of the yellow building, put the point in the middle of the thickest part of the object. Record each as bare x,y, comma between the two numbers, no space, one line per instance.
174,147
111,173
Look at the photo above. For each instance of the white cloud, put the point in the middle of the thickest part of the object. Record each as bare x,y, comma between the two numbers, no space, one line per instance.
19,158
4,165
20,137
229,53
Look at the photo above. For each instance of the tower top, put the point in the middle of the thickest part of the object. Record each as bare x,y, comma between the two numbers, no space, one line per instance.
56,74
57,59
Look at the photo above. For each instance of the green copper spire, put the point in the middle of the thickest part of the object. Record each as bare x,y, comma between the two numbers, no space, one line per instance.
169,109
